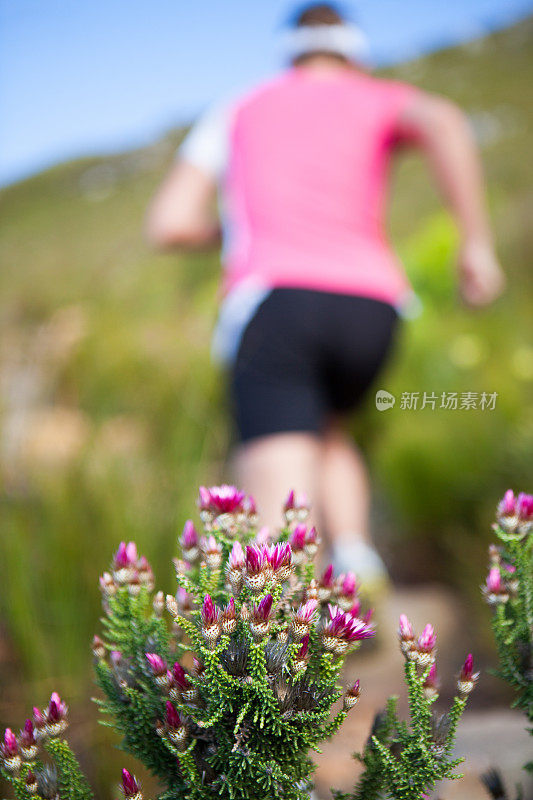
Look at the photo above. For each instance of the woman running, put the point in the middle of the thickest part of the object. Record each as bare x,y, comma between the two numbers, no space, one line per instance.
312,289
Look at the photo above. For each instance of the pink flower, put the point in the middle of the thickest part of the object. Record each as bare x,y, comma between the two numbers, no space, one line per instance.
221,499
228,617
189,537
349,584
296,501
130,787
427,640
525,507
236,557
352,696
210,620
495,591
158,665
126,555
27,738
516,511
210,612
39,720
180,677
507,505
343,629
279,557
326,584
468,678
10,746
405,631
297,538
327,577
257,567
299,663
173,719
494,581
57,709
289,502
212,551
431,683
312,540
175,725
304,618
260,617
261,612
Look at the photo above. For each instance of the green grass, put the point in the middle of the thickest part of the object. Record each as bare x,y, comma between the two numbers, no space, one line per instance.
119,338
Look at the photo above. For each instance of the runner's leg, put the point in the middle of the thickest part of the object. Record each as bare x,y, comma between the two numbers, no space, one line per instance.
267,467
344,487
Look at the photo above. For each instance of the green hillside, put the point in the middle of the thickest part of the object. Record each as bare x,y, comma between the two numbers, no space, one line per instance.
112,413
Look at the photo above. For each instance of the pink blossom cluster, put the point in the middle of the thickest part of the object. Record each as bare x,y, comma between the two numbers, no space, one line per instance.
304,542
258,565
47,723
421,650
226,507
515,513
128,569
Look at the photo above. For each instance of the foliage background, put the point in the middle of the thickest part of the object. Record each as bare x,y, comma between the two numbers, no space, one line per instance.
112,413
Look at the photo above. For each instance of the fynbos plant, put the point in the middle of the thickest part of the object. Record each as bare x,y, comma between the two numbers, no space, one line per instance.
509,592
231,697
404,761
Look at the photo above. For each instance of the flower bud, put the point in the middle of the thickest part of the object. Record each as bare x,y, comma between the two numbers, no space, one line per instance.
302,656
189,542
228,618
406,637
425,646
56,715
326,584
212,552
130,787
27,742
98,648
9,752
31,783
172,605
158,667
431,683
351,698
260,622
158,604
468,678
257,568
175,726
303,619
210,621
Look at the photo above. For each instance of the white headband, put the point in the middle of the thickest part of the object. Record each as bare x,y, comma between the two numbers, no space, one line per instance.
344,39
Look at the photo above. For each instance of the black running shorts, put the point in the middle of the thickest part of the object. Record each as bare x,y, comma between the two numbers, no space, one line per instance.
306,355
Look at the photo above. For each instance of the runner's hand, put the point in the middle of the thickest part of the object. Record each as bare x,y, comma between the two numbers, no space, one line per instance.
481,279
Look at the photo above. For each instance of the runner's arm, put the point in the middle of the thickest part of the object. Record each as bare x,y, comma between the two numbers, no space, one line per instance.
442,132
182,213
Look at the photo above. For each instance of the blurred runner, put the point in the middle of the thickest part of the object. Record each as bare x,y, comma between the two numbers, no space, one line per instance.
312,289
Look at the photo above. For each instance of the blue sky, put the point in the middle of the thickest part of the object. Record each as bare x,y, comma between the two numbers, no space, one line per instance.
86,77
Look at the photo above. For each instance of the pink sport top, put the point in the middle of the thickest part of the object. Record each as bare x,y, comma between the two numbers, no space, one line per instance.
305,184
